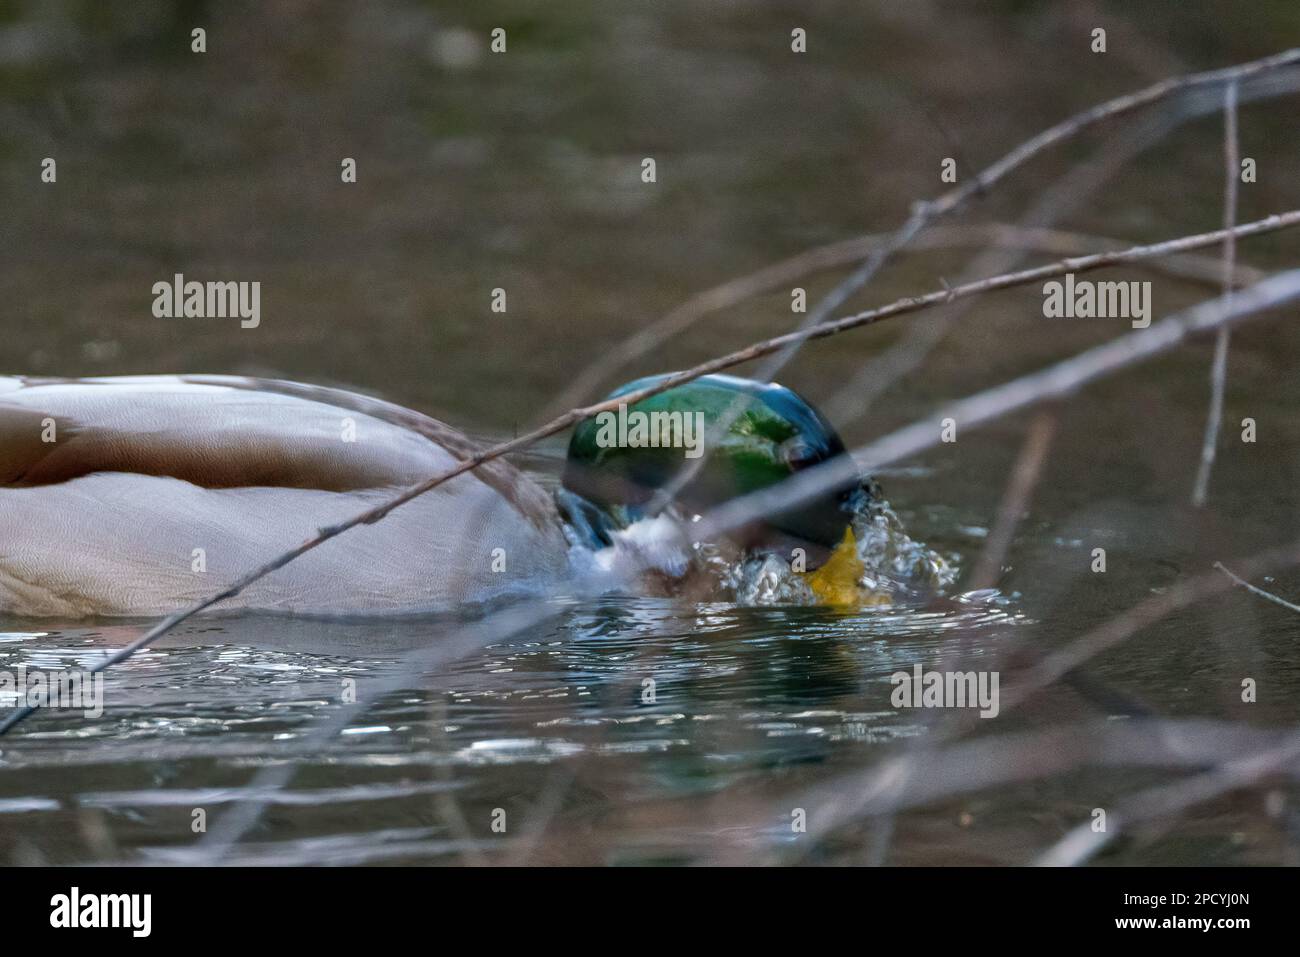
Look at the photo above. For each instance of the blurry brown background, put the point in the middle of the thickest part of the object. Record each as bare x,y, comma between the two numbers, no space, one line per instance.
521,170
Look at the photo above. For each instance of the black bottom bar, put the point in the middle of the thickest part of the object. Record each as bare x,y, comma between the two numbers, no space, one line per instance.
333,906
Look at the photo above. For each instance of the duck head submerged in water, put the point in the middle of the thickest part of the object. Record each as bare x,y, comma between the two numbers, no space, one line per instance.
143,495
698,445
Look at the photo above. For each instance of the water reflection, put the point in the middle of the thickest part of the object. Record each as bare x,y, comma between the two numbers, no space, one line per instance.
700,696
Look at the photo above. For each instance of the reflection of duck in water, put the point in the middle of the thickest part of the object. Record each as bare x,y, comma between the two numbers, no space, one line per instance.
124,496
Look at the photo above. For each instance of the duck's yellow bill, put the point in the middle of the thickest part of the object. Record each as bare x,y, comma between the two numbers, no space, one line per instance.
838,581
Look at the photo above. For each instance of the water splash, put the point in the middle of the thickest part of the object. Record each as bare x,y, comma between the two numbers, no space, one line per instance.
895,569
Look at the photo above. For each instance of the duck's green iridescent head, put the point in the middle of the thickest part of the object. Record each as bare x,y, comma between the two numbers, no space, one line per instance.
618,461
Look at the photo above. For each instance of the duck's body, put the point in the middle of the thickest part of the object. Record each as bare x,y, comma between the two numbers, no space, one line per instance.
138,496
144,495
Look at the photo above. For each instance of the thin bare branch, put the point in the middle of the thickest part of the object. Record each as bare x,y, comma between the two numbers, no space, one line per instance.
1219,368
1104,111
1024,477
1255,589
855,398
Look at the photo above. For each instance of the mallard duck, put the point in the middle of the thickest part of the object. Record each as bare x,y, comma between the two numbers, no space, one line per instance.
771,433
141,495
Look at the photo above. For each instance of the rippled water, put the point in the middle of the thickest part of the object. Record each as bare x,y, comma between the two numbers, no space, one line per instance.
736,691
553,717
613,730
200,719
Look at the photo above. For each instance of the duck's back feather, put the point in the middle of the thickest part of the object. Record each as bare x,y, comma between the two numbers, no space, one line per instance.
156,491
